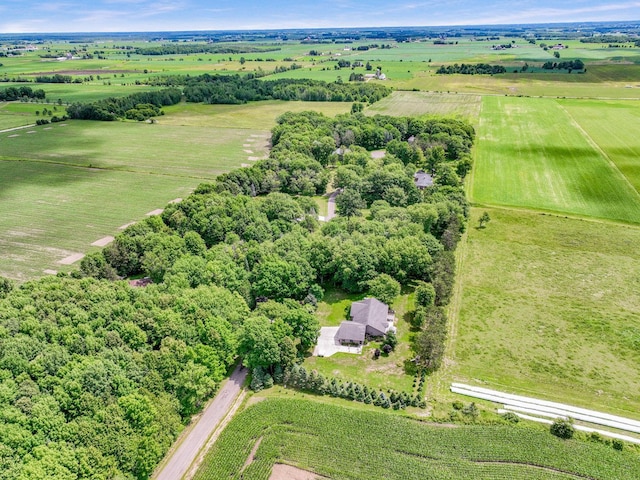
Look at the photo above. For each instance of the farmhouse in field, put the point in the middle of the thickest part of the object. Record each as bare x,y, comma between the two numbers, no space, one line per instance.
422,179
369,317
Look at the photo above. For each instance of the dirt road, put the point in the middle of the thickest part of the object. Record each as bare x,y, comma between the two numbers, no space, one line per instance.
187,451
331,205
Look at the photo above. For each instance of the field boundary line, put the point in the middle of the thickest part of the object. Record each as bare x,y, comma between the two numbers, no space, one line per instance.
597,147
453,317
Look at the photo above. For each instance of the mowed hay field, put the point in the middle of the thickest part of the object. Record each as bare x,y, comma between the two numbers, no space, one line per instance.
66,185
533,153
549,308
426,103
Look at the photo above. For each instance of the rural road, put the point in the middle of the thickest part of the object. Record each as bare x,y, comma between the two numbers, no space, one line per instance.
186,453
331,205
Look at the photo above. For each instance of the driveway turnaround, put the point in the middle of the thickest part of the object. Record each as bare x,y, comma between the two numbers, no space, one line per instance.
327,344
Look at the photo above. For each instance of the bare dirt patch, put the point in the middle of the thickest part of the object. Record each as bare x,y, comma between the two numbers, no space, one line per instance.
176,200
50,272
71,259
252,455
157,211
126,225
248,151
104,241
378,153
83,72
287,472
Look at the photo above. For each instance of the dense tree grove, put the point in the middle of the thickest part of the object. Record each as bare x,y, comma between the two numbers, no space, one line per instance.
138,106
98,377
235,89
11,94
471,69
566,65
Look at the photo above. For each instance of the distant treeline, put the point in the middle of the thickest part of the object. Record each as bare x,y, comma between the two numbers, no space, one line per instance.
567,65
138,106
185,49
235,90
56,78
471,69
607,39
16,93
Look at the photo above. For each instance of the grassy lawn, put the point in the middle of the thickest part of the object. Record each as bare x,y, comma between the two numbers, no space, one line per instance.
550,309
532,153
388,371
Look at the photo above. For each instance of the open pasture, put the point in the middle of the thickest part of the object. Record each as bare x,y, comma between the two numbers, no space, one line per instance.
550,308
344,443
426,103
533,153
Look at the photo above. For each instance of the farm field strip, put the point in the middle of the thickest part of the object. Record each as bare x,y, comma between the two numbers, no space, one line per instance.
329,440
53,211
523,415
552,408
531,154
613,126
424,103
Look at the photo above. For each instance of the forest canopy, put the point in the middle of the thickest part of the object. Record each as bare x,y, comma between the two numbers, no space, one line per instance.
99,377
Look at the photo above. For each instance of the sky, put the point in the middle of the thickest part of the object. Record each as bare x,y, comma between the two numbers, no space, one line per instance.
29,16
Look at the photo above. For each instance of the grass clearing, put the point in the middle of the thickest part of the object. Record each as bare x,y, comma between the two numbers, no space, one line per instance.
550,309
532,153
345,443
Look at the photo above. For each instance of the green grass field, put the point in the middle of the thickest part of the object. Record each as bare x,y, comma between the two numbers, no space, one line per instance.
533,153
345,443
550,308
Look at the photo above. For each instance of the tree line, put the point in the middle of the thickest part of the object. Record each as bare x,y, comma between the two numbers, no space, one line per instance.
138,106
565,65
234,89
471,69
186,49
11,94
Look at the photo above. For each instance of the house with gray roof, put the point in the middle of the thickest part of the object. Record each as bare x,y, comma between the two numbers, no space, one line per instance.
422,179
369,317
